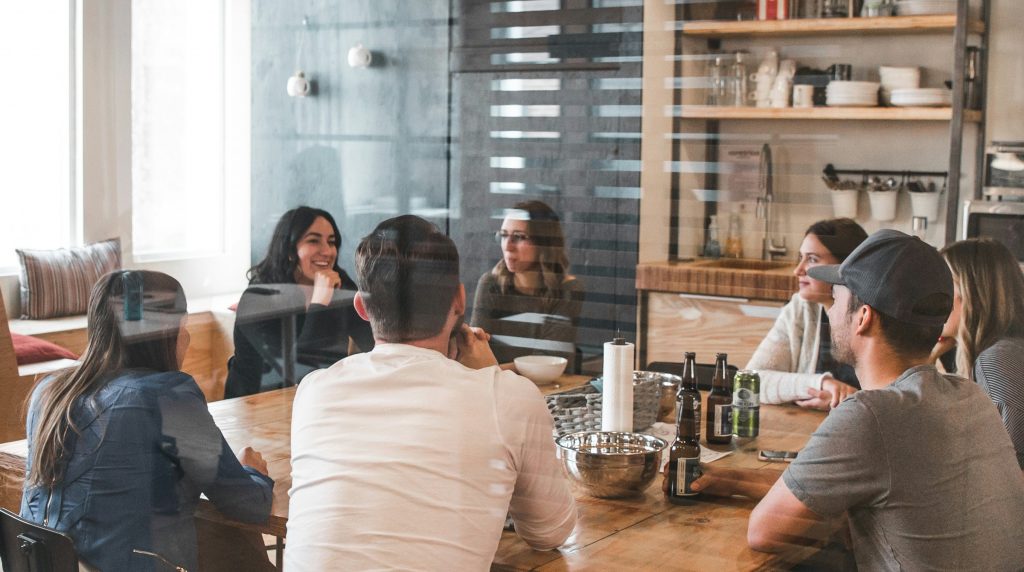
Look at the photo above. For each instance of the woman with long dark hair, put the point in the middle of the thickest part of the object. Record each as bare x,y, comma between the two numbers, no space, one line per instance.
297,314
986,326
121,446
529,302
795,359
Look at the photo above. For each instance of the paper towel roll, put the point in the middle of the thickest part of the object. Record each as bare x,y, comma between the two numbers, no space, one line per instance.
617,399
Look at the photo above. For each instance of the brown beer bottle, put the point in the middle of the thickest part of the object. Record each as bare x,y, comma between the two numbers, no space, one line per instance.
684,454
719,427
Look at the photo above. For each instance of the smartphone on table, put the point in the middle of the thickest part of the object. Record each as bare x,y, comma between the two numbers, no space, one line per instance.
776,456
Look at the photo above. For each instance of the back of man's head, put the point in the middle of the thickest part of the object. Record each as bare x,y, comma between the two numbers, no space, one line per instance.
903,279
408,273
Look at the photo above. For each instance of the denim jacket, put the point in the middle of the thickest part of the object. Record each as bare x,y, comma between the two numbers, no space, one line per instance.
145,448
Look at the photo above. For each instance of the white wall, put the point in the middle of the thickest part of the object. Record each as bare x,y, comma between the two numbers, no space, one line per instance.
1006,72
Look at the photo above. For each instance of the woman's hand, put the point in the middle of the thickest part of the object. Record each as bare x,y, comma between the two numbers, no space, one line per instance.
324,284
942,346
252,458
831,394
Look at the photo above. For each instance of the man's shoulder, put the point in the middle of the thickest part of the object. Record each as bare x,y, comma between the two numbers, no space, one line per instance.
511,384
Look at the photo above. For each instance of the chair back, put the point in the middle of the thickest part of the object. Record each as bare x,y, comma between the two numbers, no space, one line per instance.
29,547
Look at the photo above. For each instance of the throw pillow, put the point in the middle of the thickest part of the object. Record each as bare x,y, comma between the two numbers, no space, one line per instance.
28,350
57,283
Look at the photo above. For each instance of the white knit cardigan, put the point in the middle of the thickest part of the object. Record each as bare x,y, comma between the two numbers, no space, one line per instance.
787,356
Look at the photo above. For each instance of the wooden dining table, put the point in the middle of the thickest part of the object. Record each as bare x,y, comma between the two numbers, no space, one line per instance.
643,532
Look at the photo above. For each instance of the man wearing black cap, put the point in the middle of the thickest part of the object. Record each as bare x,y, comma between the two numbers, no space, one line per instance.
918,461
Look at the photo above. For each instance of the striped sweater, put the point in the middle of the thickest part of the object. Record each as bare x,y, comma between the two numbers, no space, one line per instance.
999,370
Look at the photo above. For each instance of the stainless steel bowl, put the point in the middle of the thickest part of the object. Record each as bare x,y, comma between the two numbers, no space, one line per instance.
608,464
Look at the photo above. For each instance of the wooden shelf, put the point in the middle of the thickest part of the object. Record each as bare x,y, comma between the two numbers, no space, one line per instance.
822,26
833,113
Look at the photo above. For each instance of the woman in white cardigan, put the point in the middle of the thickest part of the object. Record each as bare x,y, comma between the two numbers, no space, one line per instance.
795,360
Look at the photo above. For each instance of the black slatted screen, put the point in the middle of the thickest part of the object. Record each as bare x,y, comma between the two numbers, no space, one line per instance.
546,105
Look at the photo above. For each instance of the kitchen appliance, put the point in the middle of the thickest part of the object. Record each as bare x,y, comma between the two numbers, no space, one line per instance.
999,220
1004,171
999,214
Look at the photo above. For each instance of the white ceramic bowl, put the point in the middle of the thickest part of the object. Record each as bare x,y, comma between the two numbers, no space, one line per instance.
541,369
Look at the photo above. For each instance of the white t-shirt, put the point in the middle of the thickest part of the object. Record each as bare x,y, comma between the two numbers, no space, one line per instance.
405,459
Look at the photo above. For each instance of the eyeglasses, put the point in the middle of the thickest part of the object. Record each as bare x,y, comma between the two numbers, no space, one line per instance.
516,237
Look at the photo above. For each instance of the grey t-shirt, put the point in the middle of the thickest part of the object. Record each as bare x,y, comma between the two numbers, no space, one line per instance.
926,472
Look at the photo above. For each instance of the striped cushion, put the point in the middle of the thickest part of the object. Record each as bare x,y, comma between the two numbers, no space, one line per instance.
57,283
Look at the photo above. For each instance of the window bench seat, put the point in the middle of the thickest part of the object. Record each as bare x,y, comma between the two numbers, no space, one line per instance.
210,325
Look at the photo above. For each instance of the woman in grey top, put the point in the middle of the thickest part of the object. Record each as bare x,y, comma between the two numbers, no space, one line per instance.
529,302
987,327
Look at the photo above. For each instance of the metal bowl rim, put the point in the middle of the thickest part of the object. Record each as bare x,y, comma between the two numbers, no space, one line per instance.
650,441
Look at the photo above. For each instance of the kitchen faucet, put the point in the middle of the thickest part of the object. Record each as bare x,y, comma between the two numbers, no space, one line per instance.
769,250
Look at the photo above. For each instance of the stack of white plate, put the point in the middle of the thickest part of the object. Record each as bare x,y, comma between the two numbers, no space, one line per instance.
922,97
924,7
852,94
898,78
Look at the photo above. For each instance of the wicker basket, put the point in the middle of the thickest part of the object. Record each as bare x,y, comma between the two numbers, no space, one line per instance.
580,409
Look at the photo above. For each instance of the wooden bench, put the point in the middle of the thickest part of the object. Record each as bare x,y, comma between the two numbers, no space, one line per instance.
16,382
210,324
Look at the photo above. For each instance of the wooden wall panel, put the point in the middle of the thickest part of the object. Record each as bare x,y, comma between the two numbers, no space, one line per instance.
678,324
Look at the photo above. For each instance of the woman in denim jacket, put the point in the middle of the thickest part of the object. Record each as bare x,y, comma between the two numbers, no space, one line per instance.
121,446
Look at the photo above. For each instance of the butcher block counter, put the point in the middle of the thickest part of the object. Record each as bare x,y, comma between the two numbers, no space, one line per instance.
709,306
730,277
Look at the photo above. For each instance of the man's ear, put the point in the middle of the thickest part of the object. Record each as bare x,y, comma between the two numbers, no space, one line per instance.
865,320
459,303
360,306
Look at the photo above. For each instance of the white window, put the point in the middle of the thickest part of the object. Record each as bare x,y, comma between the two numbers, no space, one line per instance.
178,128
37,115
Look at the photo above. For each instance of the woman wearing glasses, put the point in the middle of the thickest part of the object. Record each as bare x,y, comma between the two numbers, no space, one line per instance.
529,302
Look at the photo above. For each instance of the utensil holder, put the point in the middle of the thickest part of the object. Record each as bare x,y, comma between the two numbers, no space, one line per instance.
844,203
580,409
926,205
883,205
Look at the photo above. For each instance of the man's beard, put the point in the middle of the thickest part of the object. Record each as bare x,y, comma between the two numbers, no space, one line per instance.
841,350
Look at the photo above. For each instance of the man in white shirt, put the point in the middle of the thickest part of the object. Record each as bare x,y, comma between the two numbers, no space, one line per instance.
403,458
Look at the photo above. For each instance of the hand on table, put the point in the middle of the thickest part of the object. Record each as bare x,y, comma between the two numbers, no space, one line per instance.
473,349
721,482
324,284
250,457
831,394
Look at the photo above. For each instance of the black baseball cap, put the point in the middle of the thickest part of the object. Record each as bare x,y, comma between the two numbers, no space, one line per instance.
893,272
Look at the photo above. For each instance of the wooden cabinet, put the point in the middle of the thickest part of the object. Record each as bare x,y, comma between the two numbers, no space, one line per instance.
678,323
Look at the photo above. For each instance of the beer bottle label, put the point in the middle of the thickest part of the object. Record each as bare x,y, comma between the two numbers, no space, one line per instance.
687,471
723,420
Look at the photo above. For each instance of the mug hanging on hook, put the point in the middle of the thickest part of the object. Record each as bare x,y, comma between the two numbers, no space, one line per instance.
298,85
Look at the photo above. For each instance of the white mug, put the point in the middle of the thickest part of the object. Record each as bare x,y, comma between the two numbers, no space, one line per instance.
781,91
787,68
803,96
359,57
298,86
